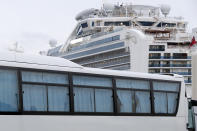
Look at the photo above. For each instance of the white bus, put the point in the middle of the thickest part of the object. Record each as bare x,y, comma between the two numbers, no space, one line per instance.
40,93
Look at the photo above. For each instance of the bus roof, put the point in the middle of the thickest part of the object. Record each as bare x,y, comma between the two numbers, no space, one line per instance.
22,60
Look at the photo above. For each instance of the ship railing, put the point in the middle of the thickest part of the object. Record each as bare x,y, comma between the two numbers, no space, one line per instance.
105,33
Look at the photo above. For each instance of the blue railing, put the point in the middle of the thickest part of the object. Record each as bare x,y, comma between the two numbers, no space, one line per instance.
188,81
96,50
168,57
169,65
156,49
183,73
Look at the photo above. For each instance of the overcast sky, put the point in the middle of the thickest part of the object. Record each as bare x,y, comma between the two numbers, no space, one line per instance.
32,23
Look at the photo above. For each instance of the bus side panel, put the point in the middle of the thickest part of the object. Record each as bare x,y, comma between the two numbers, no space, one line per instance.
91,123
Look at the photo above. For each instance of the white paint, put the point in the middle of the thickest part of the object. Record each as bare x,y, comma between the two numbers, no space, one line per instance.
194,76
91,123
88,123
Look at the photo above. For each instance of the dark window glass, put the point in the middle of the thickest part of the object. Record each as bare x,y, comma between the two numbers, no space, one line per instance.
84,25
93,51
146,23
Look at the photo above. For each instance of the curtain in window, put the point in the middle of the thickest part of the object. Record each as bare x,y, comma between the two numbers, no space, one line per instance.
83,99
166,86
160,102
58,98
142,102
32,76
103,100
44,77
8,91
125,101
172,102
92,81
134,84
34,98
55,78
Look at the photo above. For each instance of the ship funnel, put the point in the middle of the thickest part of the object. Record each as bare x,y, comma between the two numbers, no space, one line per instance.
194,75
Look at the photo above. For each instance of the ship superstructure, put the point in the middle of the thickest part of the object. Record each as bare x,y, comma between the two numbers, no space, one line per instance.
130,37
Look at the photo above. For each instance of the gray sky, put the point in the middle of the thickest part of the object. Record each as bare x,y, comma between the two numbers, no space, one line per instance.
34,22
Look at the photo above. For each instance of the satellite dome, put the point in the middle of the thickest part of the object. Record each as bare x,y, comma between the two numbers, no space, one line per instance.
108,6
53,43
165,9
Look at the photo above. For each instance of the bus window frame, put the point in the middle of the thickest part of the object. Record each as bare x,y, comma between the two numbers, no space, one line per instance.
71,95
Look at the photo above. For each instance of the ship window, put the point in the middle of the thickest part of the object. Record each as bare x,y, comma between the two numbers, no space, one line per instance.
165,97
164,24
93,51
93,24
99,42
8,91
84,25
156,48
118,23
146,23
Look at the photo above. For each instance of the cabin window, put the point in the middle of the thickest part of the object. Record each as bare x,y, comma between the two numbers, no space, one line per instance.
133,96
164,24
146,23
84,25
9,97
45,91
165,97
118,23
96,50
94,43
89,98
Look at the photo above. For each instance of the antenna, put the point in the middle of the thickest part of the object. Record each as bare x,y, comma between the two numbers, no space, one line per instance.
16,48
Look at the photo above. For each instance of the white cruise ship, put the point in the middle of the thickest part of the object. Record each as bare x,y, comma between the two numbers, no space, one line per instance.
130,37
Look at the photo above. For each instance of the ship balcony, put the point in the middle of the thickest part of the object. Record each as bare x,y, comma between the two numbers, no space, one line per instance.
188,81
156,49
169,65
183,73
169,57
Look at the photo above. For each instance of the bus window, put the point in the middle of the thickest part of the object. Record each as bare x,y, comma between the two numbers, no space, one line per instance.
92,94
8,91
133,96
34,98
165,97
45,92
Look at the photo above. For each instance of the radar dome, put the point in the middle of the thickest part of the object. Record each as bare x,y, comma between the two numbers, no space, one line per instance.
53,43
108,6
165,9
